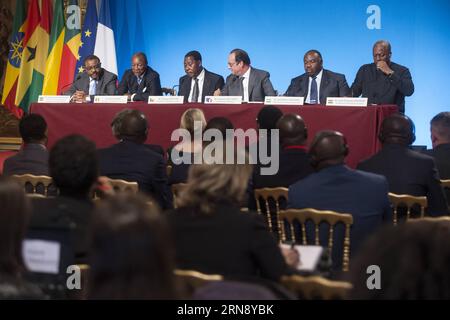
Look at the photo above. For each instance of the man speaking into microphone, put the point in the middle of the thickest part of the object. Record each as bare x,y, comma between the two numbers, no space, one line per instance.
383,81
93,81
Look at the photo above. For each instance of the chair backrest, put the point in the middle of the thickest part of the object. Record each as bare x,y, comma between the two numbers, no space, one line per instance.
35,181
190,280
276,194
445,183
317,217
408,201
10,143
314,287
432,219
176,190
122,185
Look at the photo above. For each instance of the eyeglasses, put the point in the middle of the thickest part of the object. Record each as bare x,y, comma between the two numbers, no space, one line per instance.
96,67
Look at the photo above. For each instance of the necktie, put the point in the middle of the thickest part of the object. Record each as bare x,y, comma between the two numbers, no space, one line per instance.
313,94
195,91
139,80
93,87
241,87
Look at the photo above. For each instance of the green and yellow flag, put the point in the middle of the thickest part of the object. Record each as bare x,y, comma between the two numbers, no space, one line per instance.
34,56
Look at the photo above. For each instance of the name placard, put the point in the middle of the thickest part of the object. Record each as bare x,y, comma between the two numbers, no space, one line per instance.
223,99
346,102
287,101
111,99
53,99
165,100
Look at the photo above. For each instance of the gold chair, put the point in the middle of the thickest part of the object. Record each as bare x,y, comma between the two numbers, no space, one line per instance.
432,219
314,287
176,190
10,144
122,185
34,181
168,170
445,183
408,201
271,193
190,280
318,216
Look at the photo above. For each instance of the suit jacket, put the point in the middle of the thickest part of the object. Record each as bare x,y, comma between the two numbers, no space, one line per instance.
332,85
106,86
65,212
211,83
131,161
408,172
381,89
339,188
441,155
32,159
150,85
225,242
259,85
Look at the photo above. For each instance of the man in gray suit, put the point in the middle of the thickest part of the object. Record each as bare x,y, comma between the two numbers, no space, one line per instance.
93,81
316,84
250,83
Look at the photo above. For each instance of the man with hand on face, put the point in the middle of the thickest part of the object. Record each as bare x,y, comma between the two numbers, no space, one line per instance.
198,82
141,81
93,81
316,84
250,83
383,81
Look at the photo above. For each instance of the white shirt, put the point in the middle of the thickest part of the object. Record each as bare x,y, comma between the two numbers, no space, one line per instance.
318,80
92,86
245,84
201,80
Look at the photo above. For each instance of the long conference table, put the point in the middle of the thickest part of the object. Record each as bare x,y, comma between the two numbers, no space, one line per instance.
359,124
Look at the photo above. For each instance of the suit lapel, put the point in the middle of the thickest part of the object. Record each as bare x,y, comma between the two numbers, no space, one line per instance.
323,86
304,86
206,85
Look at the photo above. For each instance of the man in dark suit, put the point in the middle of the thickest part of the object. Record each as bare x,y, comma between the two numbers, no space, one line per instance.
407,171
336,187
245,81
383,81
316,84
198,82
33,157
131,160
141,81
440,138
93,81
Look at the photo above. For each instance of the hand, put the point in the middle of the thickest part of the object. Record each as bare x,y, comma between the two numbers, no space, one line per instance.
79,96
217,93
291,256
384,67
128,96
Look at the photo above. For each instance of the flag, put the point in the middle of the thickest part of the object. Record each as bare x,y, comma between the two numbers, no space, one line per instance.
105,47
72,43
15,59
34,55
55,51
88,35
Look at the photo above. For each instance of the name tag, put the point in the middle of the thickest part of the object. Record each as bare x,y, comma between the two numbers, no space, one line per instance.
347,102
287,101
165,100
111,99
223,99
53,99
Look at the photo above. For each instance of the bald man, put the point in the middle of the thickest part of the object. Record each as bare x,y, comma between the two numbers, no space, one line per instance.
407,171
383,81
336,187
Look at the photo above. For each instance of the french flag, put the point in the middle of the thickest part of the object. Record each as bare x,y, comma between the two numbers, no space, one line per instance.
105,47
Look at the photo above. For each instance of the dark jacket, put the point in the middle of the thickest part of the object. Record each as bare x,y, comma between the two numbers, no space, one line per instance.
150,85
211,83
32,159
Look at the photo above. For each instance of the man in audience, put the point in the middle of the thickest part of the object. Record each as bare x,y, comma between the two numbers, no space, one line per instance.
336,187
245,81
383,81
440,138
198,82
407,172
131,160
74,168
93,81
141,81
316,84
33,158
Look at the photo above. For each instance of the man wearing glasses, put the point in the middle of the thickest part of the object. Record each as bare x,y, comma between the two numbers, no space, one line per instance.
141,81
93,81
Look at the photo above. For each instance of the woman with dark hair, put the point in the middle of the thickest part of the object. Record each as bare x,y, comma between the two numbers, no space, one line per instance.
132,254
14,217
411,262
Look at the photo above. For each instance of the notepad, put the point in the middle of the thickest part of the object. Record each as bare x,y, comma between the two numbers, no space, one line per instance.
309,256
